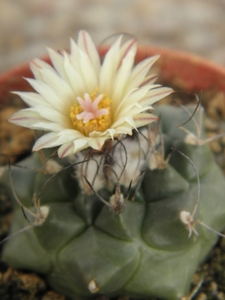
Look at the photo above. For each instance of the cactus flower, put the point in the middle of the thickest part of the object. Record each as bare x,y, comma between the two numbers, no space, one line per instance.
82,103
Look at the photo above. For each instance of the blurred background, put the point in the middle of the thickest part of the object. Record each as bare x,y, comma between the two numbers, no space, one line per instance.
28,26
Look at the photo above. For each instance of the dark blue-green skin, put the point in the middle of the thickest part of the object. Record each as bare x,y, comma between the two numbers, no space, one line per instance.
142,251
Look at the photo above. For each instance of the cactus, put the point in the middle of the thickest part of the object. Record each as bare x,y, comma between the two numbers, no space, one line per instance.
136,246
119,213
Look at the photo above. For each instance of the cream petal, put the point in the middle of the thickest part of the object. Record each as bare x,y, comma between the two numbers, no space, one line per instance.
130,121
75,79
109,67
118,101
58,62
47,126
37,66
107,133
84,66
123,121
133,109
126,48
50,95
139,71
80,144
117,123
122,76
75,55
33,99
70,135
31,118
58,140
155,95
88,73
53,115
97,143
45,141
149,80
65,150
144,119
60,86
26,118
135,96
124,128
63,139
86,44
111,132
131,98
94,134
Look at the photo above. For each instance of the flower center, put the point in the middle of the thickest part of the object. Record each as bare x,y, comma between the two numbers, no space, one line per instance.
92,113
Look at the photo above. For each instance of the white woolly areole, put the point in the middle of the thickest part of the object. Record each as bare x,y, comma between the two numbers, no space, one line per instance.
44,210
186,217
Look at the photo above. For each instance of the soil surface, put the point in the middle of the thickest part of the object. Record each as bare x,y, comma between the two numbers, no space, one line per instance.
209,280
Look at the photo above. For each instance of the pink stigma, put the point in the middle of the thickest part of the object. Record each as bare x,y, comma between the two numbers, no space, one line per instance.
90,108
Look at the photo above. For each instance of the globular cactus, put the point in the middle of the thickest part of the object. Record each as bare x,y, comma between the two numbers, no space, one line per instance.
128,207
136,245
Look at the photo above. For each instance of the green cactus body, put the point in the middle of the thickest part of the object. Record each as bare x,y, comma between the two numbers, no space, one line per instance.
85,249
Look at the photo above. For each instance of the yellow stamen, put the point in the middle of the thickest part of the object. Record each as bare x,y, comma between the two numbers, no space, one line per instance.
100,123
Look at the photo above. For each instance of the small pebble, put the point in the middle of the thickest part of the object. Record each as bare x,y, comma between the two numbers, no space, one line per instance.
201,296
211,124
220,296
51,295
213,287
